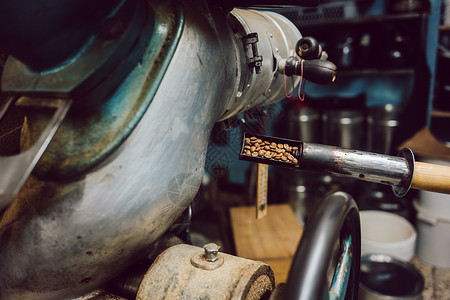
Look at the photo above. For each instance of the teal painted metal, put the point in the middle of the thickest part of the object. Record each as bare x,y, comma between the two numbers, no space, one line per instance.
342,272
91,132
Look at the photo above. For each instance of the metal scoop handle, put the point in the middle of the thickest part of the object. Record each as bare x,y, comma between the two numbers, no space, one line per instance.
400,172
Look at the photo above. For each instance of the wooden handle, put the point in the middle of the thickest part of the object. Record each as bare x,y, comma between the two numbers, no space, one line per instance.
431,177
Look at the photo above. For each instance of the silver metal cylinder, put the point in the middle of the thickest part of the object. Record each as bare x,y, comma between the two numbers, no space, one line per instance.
344,128
382,123
277,37
367,166
304,124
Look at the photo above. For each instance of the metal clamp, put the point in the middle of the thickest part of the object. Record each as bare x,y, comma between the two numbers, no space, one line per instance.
254,61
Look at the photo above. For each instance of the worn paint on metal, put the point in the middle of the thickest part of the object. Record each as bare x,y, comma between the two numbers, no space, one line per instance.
90,133
342,272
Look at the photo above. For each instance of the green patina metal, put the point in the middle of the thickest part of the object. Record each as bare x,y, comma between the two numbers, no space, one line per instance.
90,133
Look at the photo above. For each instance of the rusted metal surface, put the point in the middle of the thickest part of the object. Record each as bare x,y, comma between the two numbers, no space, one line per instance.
172,276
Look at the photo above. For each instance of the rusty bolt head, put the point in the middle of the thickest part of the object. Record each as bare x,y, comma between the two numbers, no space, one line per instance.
211,251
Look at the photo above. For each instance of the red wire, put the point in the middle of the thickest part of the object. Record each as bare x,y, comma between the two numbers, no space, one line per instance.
301,81
300,86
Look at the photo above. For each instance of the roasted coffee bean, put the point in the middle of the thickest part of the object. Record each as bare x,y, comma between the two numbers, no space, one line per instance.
257,147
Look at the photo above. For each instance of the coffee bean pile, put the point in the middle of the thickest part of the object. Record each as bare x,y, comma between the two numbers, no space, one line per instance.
256,147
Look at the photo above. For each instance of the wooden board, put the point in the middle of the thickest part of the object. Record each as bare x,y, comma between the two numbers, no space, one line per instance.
272,239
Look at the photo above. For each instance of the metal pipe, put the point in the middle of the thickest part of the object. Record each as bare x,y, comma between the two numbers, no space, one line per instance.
356,164
368,166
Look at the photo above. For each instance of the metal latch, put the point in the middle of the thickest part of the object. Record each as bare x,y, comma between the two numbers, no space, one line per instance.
254,60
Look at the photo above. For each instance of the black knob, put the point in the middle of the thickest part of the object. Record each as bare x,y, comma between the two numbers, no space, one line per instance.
308,48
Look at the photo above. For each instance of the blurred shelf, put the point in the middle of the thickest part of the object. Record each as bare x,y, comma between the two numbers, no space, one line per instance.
366,20
376,72
440,114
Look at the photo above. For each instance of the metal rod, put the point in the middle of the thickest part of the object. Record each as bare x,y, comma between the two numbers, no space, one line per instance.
373,167
16,168
5,105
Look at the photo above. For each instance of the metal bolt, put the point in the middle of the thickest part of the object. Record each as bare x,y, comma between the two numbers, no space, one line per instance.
211,251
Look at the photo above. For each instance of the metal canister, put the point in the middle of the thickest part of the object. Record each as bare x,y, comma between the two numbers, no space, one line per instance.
382,123
304,124
344,128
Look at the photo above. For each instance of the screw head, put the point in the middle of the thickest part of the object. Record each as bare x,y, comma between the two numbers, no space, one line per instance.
211,251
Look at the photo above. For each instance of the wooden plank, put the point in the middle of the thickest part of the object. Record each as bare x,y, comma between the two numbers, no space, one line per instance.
280,268
274,237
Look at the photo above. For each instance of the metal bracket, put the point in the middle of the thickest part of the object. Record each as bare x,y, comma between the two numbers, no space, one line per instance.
255,60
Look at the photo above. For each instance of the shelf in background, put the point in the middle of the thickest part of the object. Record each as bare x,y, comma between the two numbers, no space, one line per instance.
440,114
365,20
376,72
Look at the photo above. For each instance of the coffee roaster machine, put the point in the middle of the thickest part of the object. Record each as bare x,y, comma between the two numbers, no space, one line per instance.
118,101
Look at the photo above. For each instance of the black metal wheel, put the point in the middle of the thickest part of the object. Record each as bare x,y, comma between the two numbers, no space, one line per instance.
335,221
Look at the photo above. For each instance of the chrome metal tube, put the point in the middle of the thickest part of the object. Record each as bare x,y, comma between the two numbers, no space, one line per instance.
367,166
